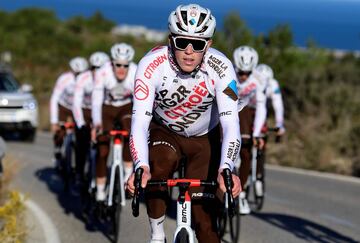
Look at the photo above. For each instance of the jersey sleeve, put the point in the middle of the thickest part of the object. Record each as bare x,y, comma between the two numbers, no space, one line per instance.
260,113
227,101
277,103
143,100
55,97
97,97
78,99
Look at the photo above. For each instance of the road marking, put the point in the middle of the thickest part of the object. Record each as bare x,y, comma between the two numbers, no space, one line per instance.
50,232
314,173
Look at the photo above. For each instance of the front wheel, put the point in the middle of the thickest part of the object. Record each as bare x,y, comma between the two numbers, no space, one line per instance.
221,222
182,236
234,223
117,207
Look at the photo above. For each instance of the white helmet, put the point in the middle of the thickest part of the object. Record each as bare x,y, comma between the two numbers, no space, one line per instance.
192,20
246,58
122,52
97,59
265,70
78,64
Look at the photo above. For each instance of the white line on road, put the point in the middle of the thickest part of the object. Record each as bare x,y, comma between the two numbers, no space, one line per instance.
50,232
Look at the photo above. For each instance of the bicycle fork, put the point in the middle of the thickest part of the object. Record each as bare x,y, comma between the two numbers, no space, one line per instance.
117,165
184,216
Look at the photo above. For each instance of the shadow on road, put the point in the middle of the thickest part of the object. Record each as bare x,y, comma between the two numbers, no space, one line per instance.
69,201
303,228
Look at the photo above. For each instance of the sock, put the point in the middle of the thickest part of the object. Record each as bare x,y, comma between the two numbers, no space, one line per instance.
127,173
157,228
100,192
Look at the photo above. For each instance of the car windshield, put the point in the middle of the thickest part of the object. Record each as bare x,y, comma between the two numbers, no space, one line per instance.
8,83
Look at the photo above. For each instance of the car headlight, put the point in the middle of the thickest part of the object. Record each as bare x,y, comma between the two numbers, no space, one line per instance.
30,105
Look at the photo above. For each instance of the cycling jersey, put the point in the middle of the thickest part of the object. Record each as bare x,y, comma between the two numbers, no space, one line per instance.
187,104
251,92
62,94
110,91
82,96
274,93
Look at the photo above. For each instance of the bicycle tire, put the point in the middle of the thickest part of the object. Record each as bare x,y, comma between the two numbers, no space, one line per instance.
234,223
182,236
117,207
221,222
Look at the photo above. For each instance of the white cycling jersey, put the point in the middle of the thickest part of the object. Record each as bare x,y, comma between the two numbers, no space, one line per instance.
63,94
252,93
82,96
274,93
110,91
189,105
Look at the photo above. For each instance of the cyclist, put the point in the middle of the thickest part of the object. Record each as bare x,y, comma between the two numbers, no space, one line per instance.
273,93
112,101
181,92
82,110
252,111
62,100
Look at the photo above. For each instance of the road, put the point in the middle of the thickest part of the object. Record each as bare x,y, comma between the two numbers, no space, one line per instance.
299,207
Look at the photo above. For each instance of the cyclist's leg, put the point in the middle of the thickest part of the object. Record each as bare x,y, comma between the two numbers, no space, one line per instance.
125,120
164,156
203,157
103,148
59,135
246,123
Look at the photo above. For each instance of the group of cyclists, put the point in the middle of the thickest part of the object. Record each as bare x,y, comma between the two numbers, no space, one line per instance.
182,100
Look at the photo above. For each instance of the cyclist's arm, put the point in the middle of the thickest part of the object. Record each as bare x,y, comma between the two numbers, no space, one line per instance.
55,97
260,113
143,100
78,99
97,98
277,104
227,102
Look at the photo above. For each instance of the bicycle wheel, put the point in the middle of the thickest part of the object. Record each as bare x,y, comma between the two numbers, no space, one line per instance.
221,222
117,207
182,236
234,223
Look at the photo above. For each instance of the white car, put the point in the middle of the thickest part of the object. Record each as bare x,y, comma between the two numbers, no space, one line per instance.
18,107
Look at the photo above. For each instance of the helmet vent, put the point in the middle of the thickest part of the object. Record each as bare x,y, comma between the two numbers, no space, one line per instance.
184,16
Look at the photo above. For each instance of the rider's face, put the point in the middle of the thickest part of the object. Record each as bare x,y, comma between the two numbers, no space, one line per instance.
188,58
121,69
243,76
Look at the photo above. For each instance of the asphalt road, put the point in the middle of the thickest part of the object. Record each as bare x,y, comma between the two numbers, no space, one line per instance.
299,207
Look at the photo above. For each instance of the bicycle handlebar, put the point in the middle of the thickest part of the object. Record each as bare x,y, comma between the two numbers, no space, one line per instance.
181,183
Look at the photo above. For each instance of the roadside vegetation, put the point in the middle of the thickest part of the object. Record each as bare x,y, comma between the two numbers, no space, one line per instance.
12,223
320,90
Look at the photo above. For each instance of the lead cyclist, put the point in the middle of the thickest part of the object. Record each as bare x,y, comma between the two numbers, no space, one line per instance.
182,91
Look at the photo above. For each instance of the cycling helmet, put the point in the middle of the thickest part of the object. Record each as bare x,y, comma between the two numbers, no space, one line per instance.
122,52
97,59
246,58
192,20
78,64
265,70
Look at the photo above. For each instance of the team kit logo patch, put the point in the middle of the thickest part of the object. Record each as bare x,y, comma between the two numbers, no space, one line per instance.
231,90
141,91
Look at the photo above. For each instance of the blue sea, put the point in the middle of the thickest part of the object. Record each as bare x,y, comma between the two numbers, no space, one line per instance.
331,24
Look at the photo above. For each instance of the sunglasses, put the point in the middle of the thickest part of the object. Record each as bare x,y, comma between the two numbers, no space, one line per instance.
121,65
94,68
181,43
247,73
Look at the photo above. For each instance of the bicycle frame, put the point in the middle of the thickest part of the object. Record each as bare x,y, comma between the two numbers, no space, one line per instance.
117,164
183,220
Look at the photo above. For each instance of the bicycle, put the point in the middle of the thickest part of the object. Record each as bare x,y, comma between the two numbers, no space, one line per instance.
116,200
65,154
255,191
183,232
229,214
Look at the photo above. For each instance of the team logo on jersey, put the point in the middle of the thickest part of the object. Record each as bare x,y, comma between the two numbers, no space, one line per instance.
231,90
141,90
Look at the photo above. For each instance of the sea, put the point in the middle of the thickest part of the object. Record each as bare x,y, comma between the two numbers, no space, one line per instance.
332,24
